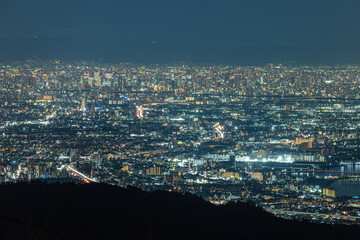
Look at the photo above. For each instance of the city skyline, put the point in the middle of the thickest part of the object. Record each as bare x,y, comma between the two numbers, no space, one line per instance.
283,137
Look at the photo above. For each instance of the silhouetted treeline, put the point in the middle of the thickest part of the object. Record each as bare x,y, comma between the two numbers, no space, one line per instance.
99,211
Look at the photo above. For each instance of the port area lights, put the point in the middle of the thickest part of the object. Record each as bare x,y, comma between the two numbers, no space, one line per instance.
279,159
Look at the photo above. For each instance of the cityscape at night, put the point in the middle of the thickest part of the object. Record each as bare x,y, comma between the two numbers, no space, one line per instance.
284,137
173,120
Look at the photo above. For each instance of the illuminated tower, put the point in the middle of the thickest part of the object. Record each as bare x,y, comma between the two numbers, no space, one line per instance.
83,103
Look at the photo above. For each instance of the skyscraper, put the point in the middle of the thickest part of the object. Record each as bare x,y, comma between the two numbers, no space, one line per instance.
83,103
97,78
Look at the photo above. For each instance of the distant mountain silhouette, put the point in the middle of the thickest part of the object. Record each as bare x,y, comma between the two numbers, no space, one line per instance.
99,211
141,52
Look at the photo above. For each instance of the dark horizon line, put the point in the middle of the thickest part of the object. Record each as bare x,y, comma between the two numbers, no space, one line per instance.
137,52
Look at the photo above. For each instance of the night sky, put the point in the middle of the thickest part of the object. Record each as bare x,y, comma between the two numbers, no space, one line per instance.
227,31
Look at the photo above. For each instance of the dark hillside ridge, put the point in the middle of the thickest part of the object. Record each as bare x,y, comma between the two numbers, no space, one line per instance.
99,211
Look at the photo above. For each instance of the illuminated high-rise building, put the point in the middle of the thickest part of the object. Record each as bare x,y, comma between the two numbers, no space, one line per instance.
261,80
97,78
83,103
153,171
90,81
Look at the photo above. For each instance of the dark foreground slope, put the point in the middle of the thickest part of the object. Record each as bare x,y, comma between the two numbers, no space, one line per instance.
97,211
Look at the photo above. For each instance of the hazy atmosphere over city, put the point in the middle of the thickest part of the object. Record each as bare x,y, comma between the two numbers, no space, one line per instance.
226,32
179,119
